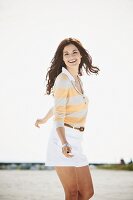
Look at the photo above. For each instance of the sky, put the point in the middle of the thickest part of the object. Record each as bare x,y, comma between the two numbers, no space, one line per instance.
30,32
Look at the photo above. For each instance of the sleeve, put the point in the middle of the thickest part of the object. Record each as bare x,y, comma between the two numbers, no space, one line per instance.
61,87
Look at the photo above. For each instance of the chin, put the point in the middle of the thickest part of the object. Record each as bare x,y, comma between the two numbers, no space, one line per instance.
73,65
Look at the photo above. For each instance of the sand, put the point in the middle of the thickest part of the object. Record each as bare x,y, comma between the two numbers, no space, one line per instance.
45,185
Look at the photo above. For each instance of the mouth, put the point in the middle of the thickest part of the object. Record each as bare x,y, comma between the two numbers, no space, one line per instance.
72,61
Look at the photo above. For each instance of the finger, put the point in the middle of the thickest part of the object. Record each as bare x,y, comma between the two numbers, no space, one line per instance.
67,150
37,125
67,154
70,156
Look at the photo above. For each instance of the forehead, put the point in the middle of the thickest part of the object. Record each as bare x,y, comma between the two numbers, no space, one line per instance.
70,47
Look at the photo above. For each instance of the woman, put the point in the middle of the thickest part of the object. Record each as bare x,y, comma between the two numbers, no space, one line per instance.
64,150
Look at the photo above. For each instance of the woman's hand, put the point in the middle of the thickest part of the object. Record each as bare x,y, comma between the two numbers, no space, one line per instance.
45,119
40,121
66,150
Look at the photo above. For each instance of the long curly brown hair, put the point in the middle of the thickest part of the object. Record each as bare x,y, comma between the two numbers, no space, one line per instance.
57,62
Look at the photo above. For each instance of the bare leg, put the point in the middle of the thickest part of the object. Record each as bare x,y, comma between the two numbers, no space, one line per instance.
85,185
68,178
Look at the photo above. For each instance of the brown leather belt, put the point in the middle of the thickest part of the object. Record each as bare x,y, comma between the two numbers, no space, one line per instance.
80,129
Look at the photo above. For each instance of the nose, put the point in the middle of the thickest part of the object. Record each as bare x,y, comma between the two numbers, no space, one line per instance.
71,55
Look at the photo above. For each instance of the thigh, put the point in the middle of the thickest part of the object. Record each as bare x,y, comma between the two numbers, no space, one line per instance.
84,179
68,178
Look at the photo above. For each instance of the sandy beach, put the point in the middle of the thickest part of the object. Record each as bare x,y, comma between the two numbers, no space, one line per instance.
45,185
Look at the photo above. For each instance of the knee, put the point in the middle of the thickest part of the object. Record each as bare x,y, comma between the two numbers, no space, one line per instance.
90,194
72,192
87,194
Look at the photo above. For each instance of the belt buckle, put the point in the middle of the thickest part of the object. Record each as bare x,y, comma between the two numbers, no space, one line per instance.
81,128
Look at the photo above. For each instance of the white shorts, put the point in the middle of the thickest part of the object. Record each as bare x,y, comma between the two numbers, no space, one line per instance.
54,155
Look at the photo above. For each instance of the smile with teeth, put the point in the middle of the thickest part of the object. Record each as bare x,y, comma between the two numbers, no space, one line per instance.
72,61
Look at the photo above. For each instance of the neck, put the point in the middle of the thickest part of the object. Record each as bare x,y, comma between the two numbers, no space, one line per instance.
74,73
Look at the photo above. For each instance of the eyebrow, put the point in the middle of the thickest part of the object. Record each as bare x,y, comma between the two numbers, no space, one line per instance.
67,51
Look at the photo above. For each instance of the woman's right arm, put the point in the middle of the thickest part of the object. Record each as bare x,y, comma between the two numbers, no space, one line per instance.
48,115
45,118
61,89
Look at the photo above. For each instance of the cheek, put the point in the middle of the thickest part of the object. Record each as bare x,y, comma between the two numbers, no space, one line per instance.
64,59
79,57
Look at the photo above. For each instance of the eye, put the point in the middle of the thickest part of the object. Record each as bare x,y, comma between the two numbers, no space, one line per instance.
75,52
65,54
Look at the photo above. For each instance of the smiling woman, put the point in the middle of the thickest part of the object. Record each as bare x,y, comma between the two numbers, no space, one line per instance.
58,61
71,55
64,150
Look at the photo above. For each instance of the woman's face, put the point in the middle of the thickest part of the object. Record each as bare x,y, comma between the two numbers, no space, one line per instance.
71,56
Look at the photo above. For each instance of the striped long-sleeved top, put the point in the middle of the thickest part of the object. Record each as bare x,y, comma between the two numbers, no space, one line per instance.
70,105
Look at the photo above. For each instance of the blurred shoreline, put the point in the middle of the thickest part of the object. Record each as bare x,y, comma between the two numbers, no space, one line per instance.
41,166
